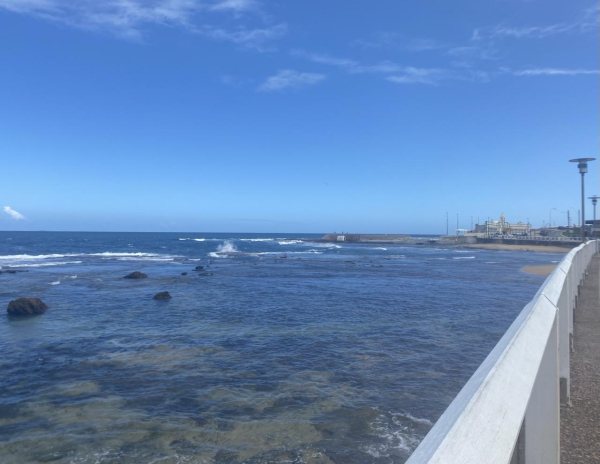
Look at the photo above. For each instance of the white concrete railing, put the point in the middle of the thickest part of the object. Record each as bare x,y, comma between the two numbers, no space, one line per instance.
509,411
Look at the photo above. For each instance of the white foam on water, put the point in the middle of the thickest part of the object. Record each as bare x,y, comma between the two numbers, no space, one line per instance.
309,252
227,247
199,239
492,262
256,239
73,276
224,249
55,283
35,257
58,263
397,434
109,254
464,257
380,248
322,245
414,419
144,258
290,242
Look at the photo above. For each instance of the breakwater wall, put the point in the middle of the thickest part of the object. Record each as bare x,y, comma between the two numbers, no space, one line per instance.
509,410
366,238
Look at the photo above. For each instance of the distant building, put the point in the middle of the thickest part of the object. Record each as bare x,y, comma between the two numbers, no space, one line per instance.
592,229
501,227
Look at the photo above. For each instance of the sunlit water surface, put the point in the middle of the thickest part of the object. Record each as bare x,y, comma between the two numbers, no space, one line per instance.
290,352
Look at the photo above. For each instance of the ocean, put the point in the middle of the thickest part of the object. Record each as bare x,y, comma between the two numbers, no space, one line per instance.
279,351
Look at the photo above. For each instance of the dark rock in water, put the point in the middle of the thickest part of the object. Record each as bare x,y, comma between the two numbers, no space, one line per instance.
12,271
199,268
184,273
162,296
136,275
26,307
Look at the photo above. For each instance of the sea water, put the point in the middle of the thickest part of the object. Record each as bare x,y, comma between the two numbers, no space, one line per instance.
281,351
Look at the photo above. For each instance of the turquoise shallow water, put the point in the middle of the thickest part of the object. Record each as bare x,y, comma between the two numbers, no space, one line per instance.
290,351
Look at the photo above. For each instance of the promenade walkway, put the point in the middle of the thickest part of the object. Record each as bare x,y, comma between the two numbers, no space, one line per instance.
580,423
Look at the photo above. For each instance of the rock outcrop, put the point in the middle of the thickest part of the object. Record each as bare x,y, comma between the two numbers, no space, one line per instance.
162,296
26,307
136,275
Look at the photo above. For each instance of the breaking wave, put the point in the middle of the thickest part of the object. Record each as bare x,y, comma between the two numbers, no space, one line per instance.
224,249
57,263
256,239
290,242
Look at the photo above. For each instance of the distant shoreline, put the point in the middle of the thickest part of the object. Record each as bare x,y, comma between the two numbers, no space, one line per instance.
505,247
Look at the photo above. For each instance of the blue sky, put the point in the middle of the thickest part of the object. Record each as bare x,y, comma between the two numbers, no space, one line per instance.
258,116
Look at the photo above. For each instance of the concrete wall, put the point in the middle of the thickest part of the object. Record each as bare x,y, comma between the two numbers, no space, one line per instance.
509,411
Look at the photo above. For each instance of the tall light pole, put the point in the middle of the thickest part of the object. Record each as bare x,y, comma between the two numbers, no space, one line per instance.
551,216
594,199
582,164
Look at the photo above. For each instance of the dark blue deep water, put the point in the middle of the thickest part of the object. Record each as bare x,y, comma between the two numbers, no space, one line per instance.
290,352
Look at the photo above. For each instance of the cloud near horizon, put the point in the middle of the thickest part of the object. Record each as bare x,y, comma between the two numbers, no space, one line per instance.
555,72
288,78
13,214
586,22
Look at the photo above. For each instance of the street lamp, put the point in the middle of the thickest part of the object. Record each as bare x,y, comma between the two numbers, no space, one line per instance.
594,199
551,216
582,164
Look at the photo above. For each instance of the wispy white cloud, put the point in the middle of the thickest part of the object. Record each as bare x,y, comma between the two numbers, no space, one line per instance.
395,40
129,18
411,75
237,6
257,39
555,72
288,78
13,214
395,72
349,65
587,21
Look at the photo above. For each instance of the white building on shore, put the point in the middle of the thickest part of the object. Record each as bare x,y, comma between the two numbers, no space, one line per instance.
502,227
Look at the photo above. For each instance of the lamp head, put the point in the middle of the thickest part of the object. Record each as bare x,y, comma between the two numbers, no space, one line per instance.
582,163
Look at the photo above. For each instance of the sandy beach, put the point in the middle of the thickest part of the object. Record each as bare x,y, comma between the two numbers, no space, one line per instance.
543,270
537,248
